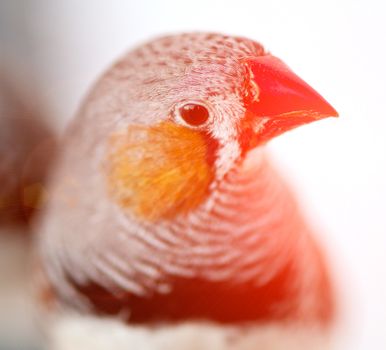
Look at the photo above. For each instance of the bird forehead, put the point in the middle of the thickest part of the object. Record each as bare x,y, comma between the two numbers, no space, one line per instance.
200,44
177,52
193,65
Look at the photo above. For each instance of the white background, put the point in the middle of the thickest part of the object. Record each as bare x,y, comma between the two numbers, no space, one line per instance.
338,166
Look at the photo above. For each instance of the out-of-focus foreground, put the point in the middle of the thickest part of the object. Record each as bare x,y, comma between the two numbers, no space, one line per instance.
26,150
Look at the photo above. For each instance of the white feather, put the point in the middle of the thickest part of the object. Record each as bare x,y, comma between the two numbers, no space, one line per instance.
74,332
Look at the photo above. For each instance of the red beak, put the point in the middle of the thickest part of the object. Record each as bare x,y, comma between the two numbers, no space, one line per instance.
280,100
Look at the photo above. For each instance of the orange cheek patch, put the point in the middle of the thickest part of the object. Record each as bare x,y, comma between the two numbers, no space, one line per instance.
158,171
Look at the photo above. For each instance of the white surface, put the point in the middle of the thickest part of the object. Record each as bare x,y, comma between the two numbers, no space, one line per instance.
339,166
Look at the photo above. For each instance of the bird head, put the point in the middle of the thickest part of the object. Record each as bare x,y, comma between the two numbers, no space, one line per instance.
187,109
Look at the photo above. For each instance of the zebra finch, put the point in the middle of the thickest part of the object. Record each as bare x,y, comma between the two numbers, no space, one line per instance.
167,227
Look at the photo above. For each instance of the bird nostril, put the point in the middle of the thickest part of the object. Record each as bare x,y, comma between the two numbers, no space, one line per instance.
250,88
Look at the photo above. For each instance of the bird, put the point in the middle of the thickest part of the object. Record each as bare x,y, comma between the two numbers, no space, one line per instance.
166,224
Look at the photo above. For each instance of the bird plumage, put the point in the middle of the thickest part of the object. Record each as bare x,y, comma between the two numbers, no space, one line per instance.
156,221
84,332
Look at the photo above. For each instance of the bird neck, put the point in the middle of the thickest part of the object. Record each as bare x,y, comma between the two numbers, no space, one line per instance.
244,256
250,211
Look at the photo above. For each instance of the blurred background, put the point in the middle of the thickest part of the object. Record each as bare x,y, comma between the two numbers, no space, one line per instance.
52,51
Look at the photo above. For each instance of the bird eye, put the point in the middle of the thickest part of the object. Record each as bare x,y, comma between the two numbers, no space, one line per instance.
194,114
